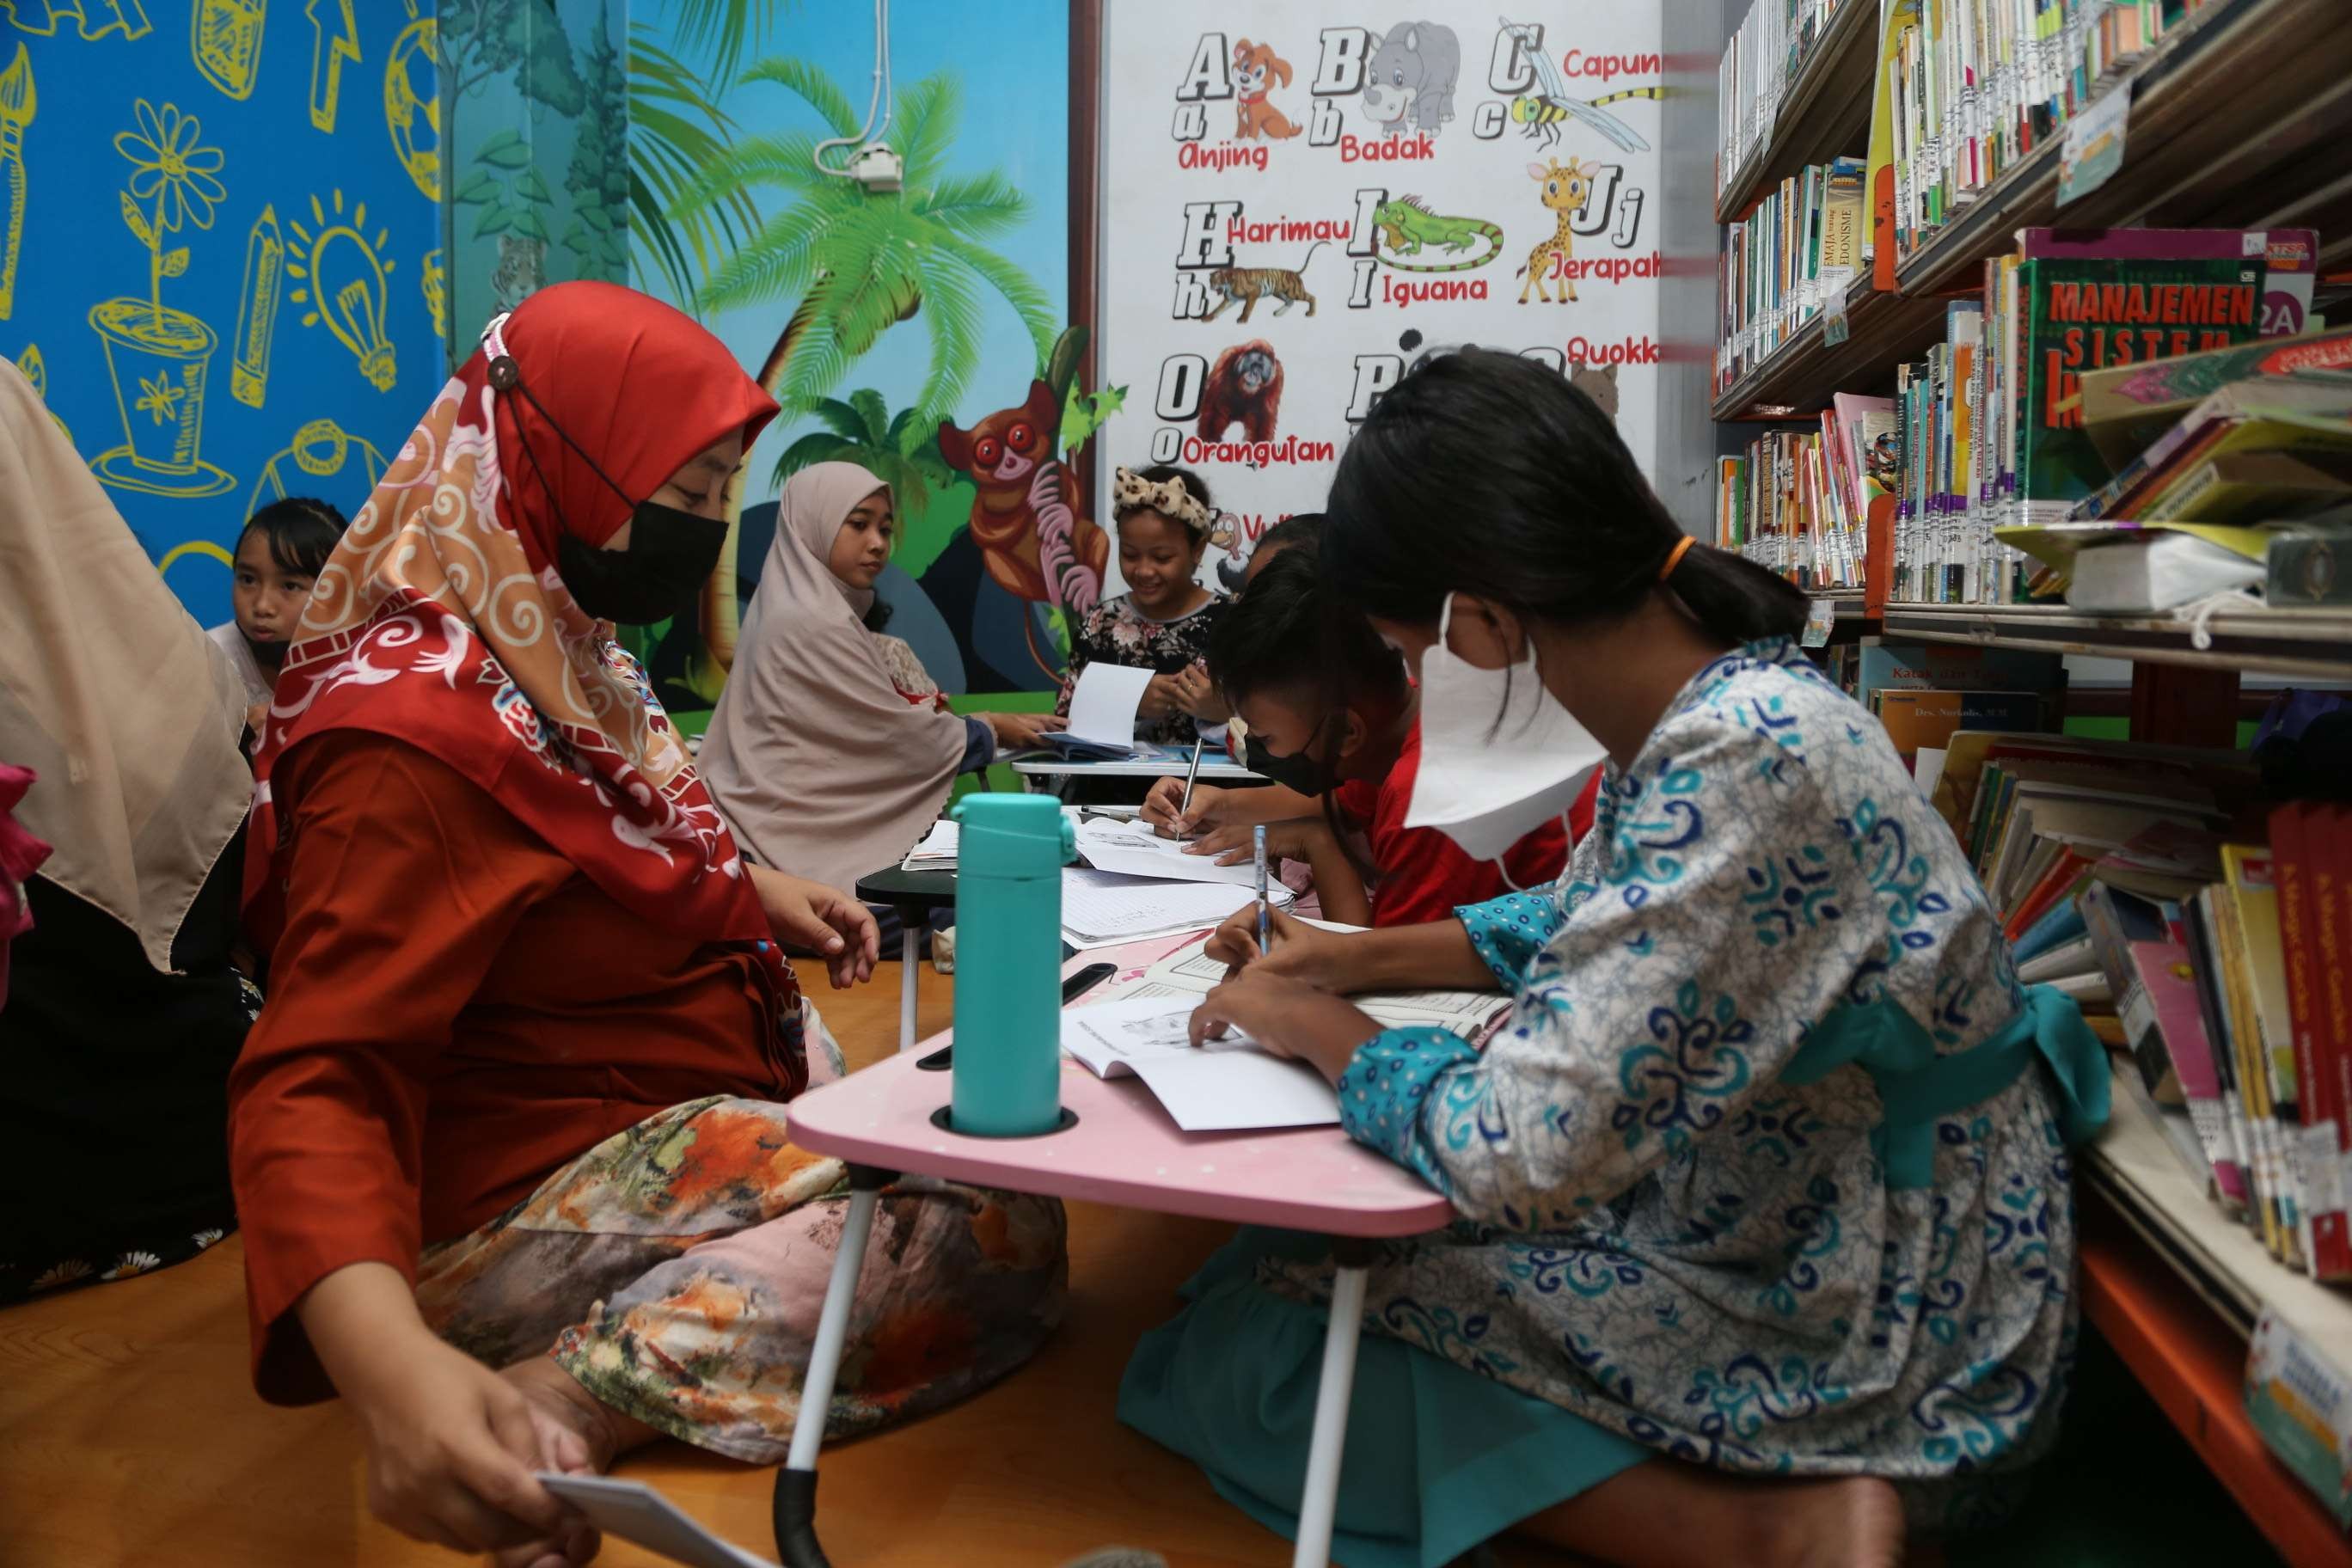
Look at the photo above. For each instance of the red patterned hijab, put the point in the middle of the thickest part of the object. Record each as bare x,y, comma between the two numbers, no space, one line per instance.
440,619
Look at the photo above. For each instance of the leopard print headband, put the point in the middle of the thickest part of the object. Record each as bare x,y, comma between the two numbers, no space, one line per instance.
1131,492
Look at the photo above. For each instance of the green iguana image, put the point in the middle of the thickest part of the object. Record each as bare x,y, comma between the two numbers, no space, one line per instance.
1406,225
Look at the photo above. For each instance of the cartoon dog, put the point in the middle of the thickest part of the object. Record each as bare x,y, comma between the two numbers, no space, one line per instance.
1412,74
1255,70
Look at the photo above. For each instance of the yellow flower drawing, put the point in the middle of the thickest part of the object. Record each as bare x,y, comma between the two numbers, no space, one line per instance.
159,397
170,168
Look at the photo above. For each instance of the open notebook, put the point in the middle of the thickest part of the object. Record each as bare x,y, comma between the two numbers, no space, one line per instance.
1224,1085
1190,973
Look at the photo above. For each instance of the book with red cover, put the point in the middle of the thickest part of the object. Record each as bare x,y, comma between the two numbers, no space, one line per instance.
2321,1105
2327,843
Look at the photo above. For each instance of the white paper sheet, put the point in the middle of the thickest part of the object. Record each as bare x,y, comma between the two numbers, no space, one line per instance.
1102,909
1102,708
1133,849
1927,767
1225,1086
642,1516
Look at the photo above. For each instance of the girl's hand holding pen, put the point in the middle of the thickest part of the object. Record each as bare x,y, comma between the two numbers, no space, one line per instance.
1299,952
1286,1019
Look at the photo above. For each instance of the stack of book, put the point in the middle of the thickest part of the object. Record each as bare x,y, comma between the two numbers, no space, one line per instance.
1791,257
1990,427
2204,933
1968,88
2230,469
1775,39
1797,502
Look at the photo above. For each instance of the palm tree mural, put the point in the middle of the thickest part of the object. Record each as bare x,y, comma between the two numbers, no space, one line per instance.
899,450
856,264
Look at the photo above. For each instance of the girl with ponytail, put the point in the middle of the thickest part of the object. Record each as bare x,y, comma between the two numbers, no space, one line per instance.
1767,1174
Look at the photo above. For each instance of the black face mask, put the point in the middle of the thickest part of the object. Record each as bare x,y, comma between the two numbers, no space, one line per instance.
670,556
670,553
1298,771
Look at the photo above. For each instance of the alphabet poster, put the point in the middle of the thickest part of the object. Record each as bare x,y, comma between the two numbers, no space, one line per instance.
1300,202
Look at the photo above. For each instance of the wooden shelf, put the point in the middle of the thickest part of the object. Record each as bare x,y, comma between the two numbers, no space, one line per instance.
2316,643
2237,121
2148,1230
1805,372
1824,113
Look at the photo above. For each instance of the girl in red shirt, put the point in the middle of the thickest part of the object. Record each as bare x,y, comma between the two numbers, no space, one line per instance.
1332,714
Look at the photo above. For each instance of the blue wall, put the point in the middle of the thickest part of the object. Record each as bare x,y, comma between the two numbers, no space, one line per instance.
293,152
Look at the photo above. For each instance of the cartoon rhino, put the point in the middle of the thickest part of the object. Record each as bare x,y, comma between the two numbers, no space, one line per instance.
1411,75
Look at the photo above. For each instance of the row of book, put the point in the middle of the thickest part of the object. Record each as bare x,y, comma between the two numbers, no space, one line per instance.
1966,89
1774,40
2203,931
1990,428
1797,501
1791,257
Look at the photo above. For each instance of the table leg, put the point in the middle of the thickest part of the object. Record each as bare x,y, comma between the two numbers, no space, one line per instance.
910,952
1320,1500
795,1502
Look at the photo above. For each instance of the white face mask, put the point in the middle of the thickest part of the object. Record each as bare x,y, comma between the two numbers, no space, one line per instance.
1484,785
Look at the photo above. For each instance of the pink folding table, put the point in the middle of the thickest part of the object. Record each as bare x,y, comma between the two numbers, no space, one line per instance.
1124,1149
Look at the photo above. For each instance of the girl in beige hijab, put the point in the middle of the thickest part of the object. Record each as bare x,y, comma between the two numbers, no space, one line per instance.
122,1013
829,753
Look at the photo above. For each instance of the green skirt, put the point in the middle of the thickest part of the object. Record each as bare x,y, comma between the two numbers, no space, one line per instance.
1438,1458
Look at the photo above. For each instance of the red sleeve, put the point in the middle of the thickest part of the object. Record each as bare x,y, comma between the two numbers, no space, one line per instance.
1425,876
406,881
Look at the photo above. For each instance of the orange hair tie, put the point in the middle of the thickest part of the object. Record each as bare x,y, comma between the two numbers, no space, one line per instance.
1675,556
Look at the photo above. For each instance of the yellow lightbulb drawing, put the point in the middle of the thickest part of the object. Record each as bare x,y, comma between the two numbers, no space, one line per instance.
343,270
413,117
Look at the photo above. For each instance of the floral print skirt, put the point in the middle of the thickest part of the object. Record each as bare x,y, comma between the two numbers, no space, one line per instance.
677,1269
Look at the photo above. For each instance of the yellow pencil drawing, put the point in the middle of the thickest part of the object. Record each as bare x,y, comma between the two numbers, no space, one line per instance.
257,309
92,19
435,283
37,371
16,105
163,354
406,111
334,38
343,269
224,40
327,461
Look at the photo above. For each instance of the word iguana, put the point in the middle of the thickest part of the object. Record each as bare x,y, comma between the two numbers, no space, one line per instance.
1406,224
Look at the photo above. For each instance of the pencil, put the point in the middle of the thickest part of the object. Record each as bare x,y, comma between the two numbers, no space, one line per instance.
1264,918
1189,775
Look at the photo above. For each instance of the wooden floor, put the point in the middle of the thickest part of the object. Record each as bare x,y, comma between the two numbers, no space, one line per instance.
129,1434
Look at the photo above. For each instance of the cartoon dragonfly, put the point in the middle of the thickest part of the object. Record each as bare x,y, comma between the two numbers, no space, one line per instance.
1544,112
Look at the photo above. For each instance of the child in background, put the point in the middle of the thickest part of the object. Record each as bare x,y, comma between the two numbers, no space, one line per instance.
278,557
1163,621
1332,714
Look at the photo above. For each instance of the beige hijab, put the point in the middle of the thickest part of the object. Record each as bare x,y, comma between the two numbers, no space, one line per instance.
108,691
822,768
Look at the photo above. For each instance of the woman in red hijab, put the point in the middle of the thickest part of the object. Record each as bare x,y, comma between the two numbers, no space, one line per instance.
516,1101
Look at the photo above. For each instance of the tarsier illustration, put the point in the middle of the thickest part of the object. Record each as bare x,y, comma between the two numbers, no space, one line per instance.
1256,67
1565,188
1025,521
1245,389
1247,285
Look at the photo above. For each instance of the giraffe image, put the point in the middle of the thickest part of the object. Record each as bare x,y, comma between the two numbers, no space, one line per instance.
1565,188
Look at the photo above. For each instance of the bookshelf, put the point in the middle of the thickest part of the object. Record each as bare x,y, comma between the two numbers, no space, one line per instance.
2155,1232
2237,121
2311,644
1825,111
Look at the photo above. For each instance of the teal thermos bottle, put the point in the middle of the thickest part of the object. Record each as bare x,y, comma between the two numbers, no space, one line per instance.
1007,1065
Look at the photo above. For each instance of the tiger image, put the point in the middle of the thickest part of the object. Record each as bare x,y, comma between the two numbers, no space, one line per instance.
1246,286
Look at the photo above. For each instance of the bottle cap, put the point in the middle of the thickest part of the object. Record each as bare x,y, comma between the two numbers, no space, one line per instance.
1013,836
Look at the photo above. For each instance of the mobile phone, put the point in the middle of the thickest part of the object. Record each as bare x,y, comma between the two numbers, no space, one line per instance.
1075,986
